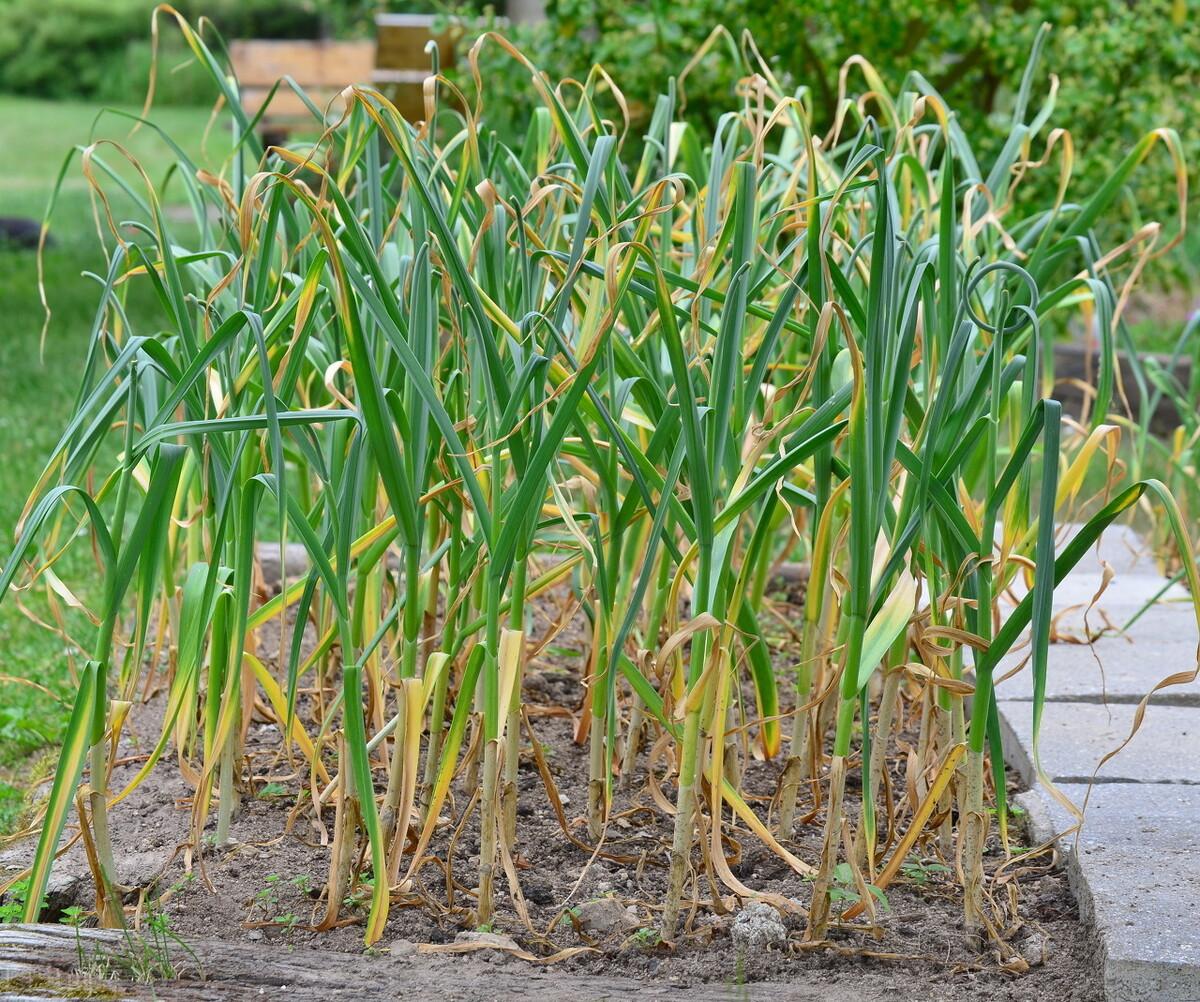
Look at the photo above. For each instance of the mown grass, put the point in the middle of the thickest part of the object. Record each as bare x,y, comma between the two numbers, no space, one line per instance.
39,387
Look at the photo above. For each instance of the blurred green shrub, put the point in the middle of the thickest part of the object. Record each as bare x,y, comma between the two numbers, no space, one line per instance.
62,48
1125,66
100,49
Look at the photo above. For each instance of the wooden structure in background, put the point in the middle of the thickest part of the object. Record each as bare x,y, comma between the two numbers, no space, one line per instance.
395,62
401,62
322,69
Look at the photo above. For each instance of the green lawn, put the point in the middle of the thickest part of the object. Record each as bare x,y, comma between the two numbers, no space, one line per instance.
39,388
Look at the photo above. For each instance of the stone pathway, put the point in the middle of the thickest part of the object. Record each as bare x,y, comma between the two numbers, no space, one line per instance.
1135,865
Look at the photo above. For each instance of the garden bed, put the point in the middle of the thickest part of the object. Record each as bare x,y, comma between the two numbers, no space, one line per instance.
589,913
467,377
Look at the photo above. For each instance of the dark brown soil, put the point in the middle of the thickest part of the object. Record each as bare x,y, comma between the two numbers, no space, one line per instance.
267,887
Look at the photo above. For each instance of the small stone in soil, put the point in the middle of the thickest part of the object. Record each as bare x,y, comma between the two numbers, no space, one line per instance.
606,916
537,889
758,927
1035,949
493,939
139,869
63,890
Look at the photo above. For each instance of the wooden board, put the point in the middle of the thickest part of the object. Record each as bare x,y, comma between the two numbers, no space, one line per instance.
39,959
327,64
401,41
323,69
401,62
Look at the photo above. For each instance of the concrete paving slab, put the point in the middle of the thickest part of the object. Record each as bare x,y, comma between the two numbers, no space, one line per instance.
1134,870
1086,578
1166,620
1135,865
1123,590
1076,736
1121,547
1123,597
1113,669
